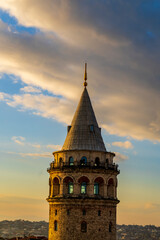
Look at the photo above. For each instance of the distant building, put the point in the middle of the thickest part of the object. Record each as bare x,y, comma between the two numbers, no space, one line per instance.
83,181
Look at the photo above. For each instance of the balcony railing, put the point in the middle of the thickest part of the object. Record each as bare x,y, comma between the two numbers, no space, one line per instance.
83,165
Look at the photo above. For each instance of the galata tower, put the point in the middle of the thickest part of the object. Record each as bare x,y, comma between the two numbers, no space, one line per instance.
83,181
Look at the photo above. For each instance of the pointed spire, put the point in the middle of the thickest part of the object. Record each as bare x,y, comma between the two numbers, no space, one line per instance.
84,132
85,76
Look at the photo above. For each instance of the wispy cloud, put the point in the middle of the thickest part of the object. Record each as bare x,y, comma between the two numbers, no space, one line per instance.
39,104
33,154
126,144
150,205
18,139
30,89
55,147
44,155
22,141
120,157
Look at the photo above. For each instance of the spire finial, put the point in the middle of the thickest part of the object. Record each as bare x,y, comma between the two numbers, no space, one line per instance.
85,76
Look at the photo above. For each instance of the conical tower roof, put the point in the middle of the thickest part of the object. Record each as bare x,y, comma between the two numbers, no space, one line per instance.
84,133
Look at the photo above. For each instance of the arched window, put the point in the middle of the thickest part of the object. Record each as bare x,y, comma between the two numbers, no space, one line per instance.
83,181
96,188
56,186
55,212
83,187
60,161
68,185
83,161
99,212
97,162
83,226
110,227
55,225
49,187
99,186
71,161
110,188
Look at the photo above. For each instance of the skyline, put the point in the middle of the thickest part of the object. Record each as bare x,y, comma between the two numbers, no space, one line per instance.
43,50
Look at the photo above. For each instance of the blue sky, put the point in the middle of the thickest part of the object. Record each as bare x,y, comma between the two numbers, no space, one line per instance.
43,49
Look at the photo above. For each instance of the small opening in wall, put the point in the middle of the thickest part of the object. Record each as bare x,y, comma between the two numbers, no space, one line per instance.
84,212
99,212
55,212
68,212
55,225
110,227
83,226
110,213
92,128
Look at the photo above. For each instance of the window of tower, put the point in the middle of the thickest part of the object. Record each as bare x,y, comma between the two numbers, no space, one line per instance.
84,212
55,225
83,187
84,227
70,187
56,186
110,188
99,212
71,161
110,227
49,187
56,212
96,188
92,128
97,162
83,181
68,212
83,161
99,186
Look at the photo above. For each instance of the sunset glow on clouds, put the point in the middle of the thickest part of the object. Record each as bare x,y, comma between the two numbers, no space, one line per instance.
43,47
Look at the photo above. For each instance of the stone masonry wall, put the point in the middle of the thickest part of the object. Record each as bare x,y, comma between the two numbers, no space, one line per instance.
69,226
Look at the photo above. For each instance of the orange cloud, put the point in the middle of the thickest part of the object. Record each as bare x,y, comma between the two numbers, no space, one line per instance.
126,144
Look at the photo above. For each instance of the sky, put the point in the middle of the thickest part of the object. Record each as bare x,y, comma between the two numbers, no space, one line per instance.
43,48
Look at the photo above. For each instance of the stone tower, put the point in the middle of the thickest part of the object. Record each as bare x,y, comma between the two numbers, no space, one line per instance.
83,181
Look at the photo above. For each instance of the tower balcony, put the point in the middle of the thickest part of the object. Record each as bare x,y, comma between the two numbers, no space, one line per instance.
91,165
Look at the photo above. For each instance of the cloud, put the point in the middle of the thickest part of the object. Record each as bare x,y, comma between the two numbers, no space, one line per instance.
126,144
36,145
120,157
123,69
44,155
150,205
55,147
18,139
43,105
30,89
22,141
